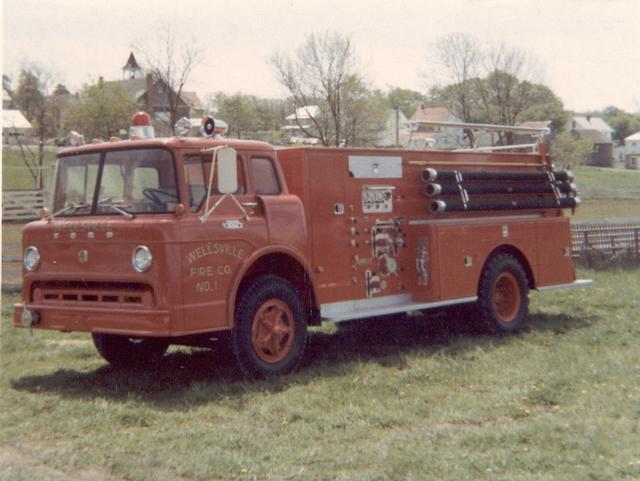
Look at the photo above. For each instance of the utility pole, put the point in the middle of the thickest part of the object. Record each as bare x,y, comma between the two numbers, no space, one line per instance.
397,109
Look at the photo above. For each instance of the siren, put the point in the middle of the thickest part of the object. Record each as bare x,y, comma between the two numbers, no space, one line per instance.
141,127
211,127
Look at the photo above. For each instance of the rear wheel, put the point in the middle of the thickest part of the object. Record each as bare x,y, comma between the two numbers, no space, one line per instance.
270,333
503,295
122,351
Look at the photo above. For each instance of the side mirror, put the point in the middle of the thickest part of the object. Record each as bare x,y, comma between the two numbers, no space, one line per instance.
227,170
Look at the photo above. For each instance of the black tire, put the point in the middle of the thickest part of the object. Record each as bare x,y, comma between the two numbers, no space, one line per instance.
270,333
129,352
503,295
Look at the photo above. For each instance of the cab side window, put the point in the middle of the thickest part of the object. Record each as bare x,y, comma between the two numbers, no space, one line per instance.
196,184
265,179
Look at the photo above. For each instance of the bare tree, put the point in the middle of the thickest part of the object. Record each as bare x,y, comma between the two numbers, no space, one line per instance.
508,87
171,61
42,110
322,72
492,85
461,57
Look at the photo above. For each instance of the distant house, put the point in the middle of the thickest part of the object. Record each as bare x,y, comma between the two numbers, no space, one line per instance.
524,138
424,136
396,130
196,109
155,97
599,133
299,127
589,122
632,151
16,129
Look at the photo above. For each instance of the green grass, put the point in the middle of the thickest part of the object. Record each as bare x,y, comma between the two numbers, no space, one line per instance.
607,193
15,174
618,178
606,209
421,400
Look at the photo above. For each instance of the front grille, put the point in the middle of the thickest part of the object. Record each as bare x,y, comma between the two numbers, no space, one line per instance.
97,293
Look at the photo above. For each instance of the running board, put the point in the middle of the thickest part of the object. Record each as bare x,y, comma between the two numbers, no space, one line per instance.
381,306
570,285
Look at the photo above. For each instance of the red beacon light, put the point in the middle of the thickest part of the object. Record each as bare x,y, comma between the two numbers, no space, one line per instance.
141,127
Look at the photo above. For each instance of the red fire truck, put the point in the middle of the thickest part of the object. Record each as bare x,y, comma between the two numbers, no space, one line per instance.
152,242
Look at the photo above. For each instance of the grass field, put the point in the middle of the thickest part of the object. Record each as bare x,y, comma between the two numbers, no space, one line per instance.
617,179
15,175
415,400
607,193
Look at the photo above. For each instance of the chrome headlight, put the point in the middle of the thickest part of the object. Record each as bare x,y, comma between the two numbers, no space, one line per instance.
141,258
31,258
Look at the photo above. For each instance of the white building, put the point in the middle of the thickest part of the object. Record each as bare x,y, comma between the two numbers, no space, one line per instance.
16,129
299,126
632,151
396,130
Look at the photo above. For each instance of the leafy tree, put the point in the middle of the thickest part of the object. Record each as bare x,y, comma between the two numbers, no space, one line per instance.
569,150
239,111
61,89
271,113
407,100
248,115
364,113
100,111
545,105
43,112
323,72
623,123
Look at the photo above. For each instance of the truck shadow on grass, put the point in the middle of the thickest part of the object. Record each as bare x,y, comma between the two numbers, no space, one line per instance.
202,376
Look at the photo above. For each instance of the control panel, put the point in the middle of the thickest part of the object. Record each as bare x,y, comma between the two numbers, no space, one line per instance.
377,198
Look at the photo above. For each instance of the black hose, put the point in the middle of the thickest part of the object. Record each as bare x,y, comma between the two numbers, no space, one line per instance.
431,175
434,189
439,206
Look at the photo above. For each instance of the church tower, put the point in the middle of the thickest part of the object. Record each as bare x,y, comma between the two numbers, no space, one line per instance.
132,70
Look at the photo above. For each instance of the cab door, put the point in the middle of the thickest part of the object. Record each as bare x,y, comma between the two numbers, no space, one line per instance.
214,247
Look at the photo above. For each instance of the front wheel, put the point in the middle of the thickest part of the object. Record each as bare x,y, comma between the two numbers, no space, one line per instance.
503,295
129,352
270,333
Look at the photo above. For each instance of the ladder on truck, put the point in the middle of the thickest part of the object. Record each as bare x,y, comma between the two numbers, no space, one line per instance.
537,133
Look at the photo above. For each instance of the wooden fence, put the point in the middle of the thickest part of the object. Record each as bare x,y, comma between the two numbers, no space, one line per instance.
21,205
11,267
603,244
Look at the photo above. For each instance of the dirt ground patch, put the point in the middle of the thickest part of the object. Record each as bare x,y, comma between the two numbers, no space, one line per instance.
68,342
23,464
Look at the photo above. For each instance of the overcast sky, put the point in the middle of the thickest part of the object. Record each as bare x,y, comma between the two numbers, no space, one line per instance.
589,50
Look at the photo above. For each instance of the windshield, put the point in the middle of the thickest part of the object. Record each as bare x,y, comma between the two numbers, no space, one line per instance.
130,182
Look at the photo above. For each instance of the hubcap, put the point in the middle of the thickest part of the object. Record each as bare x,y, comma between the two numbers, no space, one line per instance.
506,297
272,331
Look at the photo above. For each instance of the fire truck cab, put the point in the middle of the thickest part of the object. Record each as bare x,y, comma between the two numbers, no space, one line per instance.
153,242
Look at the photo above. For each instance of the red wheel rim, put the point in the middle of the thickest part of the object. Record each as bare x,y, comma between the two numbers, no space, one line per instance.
506,297
272,331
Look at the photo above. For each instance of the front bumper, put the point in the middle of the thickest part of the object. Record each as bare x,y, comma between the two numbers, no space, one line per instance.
125,321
